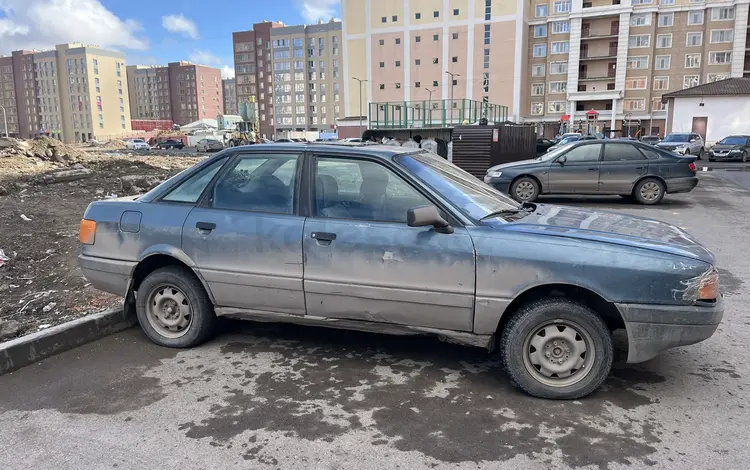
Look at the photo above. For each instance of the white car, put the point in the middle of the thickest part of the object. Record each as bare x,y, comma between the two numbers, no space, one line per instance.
137,144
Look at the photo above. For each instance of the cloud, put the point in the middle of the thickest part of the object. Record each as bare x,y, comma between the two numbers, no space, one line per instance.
41,24
204,58
227,72
180,25
313,10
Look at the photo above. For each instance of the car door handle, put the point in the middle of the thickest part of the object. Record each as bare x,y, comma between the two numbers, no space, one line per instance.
593,169
640,168
205,226
324,236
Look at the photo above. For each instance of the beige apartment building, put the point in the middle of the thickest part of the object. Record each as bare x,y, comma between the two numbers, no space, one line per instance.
551,62
229,85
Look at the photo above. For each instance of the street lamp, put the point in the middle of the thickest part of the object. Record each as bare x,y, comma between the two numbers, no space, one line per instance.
453,83
360,103
5,120
429,103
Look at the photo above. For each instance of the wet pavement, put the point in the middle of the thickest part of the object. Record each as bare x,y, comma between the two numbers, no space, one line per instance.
267,396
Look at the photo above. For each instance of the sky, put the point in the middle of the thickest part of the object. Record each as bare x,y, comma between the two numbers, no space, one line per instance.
151,32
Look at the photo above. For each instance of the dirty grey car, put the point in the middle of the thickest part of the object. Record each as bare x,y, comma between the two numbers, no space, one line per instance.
683,144
400,241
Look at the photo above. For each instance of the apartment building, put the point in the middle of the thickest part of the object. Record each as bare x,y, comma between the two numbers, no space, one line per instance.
9,112
253,72
307,64
549,61
150,97
229,87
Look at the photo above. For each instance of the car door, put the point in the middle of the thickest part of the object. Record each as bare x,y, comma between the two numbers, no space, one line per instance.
622,165
577,170
696,144
362,260
246,235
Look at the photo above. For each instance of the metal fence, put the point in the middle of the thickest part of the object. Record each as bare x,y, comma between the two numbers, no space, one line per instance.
433,113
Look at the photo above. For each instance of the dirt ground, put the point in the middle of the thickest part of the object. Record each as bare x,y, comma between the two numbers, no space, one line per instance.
41,284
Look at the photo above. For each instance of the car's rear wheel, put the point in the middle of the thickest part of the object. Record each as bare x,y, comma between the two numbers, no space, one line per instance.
524,189
744,157
649,191
556,348
173,309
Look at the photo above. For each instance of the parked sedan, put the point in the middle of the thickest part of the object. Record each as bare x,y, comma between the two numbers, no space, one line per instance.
627,168
734,147
683,144
542,145
394,240
209,145
136,144
651,139
171,144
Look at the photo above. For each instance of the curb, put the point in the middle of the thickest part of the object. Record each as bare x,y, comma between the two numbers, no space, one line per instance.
29,349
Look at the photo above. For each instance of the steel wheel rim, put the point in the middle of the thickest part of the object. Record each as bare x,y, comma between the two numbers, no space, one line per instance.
524,190
558,353
650,191
168,311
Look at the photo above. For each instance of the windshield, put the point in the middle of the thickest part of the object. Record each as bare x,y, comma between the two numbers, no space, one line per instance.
570,139
733,141
471,196
677,138
561,148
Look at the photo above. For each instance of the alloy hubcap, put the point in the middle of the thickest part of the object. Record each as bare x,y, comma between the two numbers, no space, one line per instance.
558,354
650,191
169,311
524,190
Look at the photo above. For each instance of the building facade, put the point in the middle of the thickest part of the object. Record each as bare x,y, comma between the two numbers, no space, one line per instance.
307,64
8,97
229,87
549,61
150,96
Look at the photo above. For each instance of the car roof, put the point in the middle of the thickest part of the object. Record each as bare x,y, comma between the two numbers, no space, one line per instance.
342,148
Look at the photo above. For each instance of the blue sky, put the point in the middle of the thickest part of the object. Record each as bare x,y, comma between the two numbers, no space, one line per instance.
150,31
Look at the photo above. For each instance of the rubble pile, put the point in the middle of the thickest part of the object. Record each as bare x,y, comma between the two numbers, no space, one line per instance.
43,148
114,144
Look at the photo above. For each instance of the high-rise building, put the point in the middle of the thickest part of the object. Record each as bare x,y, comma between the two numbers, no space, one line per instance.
253,72
73,92
229,86
549,61
307,77
8,97
150,97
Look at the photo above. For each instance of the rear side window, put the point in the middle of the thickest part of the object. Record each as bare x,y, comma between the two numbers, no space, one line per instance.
621,152
191,189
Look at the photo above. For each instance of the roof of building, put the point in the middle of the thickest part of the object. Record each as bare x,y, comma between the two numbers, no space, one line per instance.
728,87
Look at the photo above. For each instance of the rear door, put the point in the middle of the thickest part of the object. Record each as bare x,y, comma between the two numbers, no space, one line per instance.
579,173
622,165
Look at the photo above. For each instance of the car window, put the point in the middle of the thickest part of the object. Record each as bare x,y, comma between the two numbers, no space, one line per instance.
621,152
584,153
258,183
191,189
651,154
362,190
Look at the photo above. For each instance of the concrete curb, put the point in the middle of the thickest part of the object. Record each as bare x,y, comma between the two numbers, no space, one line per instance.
29,349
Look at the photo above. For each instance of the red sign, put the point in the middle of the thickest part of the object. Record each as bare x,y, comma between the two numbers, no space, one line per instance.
495,135
565,117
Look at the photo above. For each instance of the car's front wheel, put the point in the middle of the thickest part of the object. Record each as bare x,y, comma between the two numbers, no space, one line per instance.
744,157
556,348
649,191
525,189
173,308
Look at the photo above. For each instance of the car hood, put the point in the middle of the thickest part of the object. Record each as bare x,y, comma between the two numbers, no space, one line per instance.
505,166
726,147
611,227
671,144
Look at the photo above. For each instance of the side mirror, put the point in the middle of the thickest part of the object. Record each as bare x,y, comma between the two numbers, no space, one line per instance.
562,160
692,140
425,216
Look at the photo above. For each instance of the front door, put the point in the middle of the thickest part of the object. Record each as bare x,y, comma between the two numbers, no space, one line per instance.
622,165
362,260
246,239
579,173
699,126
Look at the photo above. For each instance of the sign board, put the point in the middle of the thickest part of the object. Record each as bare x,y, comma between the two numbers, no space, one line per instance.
495,135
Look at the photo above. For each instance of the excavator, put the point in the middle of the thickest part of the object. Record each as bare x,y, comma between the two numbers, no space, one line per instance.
247,130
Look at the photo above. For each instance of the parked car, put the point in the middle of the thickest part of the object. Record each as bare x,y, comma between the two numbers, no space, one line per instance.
651,139
542,145
170,144
683,144
570,139
351,140
284,141
209,145
394,240
136,144
627,168
734,147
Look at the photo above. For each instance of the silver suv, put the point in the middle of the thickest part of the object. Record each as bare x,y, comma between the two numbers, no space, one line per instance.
684,144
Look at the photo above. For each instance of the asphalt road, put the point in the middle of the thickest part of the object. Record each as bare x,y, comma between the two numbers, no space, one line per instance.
293,397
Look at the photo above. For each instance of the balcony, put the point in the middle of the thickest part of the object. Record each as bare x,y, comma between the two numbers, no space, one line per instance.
599,3
601,32
610,54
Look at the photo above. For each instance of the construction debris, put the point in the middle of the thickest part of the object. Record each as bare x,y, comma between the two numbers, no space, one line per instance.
63,176
42,147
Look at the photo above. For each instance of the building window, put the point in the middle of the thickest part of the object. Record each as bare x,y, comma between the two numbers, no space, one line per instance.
695,17
692,61
394,18
642,19
436,14
561,47
382,65
418,39
398,63
657,105
722,13
642,2
561,27
556,107
435,60
417,16
661,83
417,61
689,81
558,87
537,89
562,6
640,62
435,83
715,77
540,31
540,50
663,41
666,2
719,58
455,35
383,19
634,104
558,68
381,42
635,83
542,10
398,40
537,70
722,35
382,86
639,40
417,84
435,37
662,62
666,19
694,39
537,109
398,85
454,60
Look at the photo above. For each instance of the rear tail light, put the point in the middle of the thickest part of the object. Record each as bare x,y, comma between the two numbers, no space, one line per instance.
692,167
87,233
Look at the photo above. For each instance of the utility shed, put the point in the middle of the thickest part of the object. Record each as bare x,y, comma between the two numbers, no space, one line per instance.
713,110
477,148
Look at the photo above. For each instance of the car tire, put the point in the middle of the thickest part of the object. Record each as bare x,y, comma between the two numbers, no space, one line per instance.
525,189
173,308
649,191
700,154
561,328
744,157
